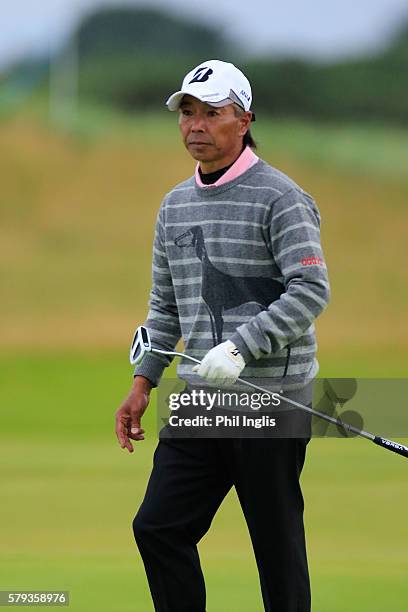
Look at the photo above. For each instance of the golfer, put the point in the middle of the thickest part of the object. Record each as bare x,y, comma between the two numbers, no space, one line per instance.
239,275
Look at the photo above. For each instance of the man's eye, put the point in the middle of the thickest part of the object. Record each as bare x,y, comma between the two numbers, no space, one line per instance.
213,113
186,112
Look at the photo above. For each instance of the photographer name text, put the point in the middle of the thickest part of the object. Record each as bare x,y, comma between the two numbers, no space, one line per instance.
222,421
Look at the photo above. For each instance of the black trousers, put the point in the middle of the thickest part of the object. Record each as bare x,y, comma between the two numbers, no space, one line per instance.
189,480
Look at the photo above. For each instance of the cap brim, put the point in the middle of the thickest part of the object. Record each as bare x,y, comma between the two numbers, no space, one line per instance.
173,103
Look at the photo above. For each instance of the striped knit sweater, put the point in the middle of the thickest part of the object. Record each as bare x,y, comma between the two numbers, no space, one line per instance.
240,261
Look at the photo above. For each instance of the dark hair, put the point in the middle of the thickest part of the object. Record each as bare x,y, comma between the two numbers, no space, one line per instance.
248,141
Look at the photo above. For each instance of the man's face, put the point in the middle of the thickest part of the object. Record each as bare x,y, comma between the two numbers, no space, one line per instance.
212,135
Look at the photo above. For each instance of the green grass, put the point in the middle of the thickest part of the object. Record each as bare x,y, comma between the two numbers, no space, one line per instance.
78,206
365,149
68,507
69,494
78,210
354,149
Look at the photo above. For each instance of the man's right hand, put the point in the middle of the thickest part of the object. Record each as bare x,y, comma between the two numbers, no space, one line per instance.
129,414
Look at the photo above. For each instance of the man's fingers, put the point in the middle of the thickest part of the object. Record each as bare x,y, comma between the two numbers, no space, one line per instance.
128,445
125,443
128,426
124,440
136,430
136,433
122,433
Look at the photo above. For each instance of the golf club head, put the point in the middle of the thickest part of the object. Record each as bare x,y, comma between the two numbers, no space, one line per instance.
140,345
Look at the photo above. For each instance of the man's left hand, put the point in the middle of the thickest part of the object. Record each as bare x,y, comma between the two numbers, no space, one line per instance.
222,364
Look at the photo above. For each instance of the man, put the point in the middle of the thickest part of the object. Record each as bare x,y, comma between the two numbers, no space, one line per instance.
244,231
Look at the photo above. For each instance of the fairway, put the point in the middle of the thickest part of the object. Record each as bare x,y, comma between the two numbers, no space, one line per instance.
70,493
78,211
78,208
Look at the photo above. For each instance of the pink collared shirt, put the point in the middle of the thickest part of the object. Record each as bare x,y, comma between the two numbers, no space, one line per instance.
245,161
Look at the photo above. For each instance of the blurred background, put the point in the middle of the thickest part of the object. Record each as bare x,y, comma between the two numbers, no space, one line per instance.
87,151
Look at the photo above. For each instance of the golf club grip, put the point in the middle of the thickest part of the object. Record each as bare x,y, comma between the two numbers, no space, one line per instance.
395,447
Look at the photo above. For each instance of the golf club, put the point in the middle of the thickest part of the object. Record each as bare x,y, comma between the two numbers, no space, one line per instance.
141,345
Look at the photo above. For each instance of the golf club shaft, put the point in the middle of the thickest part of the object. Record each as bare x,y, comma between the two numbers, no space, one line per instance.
394,447
322,415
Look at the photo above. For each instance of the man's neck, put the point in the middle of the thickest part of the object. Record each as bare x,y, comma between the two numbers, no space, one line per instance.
209,178
210,167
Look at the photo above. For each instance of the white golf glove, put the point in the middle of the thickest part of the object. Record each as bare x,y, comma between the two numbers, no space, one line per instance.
222,364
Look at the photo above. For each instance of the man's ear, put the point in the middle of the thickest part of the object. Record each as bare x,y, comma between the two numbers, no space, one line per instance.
245,121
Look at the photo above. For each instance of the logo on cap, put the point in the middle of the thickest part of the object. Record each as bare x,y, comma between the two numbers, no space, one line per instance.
201,75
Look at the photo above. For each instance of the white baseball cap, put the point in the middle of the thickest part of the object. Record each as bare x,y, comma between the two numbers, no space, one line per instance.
216,83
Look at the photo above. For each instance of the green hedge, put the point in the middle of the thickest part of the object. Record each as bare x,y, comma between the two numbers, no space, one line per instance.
370,90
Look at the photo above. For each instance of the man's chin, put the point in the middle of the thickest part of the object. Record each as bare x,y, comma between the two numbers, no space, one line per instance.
200,152
200,157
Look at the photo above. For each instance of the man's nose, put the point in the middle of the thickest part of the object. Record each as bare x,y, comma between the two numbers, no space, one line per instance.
198,124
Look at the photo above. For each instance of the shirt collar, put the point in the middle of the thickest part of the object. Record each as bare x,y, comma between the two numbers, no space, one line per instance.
245,161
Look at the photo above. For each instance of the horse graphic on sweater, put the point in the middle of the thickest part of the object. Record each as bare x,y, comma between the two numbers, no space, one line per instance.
221,291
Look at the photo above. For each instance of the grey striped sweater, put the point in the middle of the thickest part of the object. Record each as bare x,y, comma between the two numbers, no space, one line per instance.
241,261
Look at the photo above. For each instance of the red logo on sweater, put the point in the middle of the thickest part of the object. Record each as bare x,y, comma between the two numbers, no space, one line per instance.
312,261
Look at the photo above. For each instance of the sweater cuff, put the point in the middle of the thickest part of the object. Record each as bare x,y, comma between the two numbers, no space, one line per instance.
239,342
152,368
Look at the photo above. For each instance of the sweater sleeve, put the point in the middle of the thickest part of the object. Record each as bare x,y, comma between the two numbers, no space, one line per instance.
293,234
162,319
